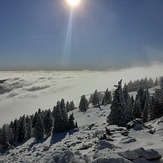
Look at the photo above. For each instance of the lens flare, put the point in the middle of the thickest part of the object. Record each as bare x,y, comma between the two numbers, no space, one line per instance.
73,3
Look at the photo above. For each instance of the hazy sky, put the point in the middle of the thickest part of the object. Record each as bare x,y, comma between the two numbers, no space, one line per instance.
105,34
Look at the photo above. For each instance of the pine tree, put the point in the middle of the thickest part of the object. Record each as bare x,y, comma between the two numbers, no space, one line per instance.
72,106
156,109
11,132
137,111
107,98
161,82
48,122
68,106
39,128
95,100
64,115
83,106
28,134
16,130
71,121
5,136
125,92
146,107
60,118
129,110
117,116
156,82
22,129
141,95
145,112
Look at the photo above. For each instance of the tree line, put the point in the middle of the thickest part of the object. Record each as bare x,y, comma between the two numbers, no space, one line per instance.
42,124
125,108
142,83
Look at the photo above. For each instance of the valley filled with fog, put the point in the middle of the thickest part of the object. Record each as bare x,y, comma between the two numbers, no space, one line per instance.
25,92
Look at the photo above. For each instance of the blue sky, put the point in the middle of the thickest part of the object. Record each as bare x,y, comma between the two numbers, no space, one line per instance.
106,34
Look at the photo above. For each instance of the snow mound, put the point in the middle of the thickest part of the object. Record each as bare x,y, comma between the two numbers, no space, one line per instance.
66,156
110,158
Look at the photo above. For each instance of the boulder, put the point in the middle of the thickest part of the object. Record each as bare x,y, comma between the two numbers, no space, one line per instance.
149,154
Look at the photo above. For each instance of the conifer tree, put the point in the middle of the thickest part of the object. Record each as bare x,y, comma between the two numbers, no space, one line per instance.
22,129
141,95
125,92
60,118
107,98
83,106
64,116
137,111
72,106
5,135
146,107
48,122
28,134
15,130
95,100
117,116
39,128
68,106
71,121
129,110
161,82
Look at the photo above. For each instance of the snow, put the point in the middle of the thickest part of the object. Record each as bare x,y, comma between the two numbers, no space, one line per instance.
33,90
83,145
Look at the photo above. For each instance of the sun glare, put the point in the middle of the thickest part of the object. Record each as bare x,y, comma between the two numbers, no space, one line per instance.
73,3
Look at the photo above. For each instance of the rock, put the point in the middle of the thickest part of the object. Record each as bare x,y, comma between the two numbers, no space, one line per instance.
151,131
111,159
136,122
138,127
108,132
66,156
143,160
125,133
105,144
85,146
130,155
127,140
149,154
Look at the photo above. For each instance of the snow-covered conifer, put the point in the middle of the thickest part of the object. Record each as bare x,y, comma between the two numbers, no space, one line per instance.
117,116
83,105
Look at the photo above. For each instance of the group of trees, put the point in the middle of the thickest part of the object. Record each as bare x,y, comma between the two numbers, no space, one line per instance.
96,99
125,108
142,83
42,124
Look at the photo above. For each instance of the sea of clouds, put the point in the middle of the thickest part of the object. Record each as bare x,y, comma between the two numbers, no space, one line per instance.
24,92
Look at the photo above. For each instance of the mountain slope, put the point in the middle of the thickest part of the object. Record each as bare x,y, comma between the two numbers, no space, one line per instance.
87,143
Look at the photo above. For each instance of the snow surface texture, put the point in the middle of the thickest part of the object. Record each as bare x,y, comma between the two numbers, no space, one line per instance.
25,92
86,146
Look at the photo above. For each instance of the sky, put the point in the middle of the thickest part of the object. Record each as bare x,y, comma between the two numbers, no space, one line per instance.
102,34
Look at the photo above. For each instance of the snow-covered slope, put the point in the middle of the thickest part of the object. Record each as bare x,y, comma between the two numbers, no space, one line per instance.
87,144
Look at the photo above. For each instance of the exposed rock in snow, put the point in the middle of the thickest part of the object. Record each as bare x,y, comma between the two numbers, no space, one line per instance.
105,144
66,156
127,140
143,160
110,158
149,154
137,124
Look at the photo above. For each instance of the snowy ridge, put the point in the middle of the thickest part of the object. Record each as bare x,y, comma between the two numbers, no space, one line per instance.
87,144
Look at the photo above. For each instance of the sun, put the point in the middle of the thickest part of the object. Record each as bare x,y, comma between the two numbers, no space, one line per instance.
73,3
